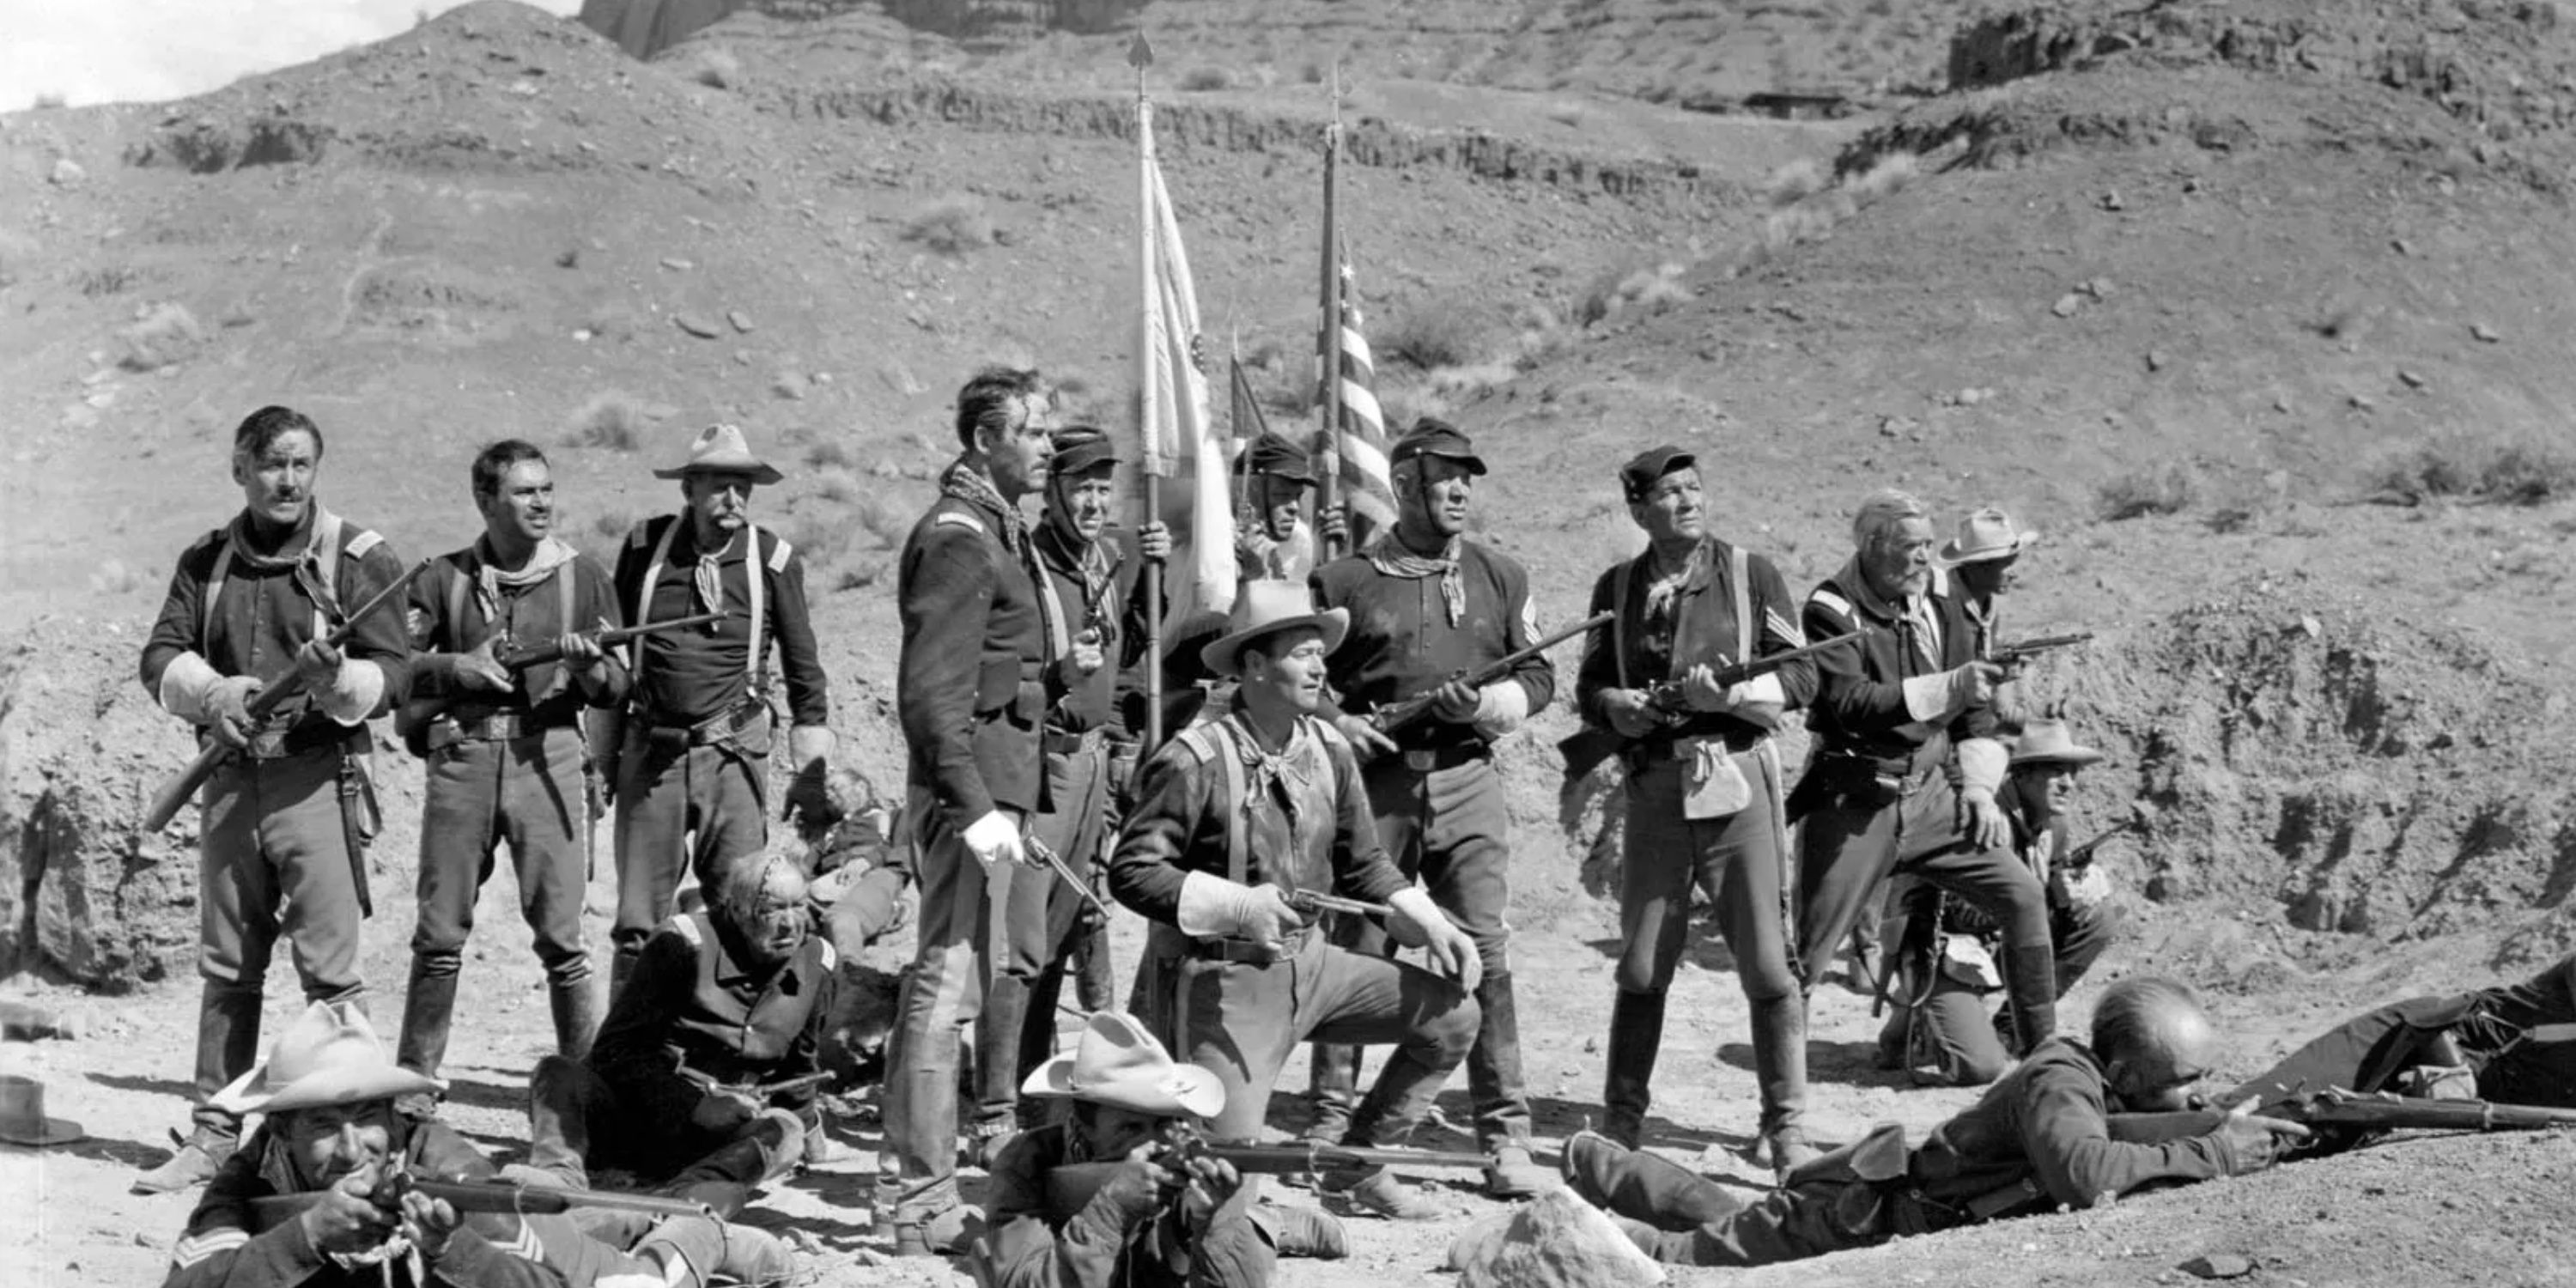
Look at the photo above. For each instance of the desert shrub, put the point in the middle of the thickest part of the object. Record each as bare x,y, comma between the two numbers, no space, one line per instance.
951,225
2474,467
48,99
1428,336
609,419
2139,493
165,335
1312,73
1200,80
113,279
830,454
1651,288
1569,115
717,68
1808,220
1885,177
613,526
1794,182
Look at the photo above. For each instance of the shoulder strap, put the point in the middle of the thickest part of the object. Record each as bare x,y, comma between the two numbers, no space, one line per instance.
1214,744
1619,618
326,573
1050,608
456,609
567,595
644,597
755,580
1735,574
215,589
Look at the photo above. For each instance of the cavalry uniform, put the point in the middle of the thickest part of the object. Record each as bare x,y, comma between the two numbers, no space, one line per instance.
1893,748
1048,1233
504,767
2043,1138
1939,1029
2515,1042
972,696
1417,623
1095,590
283,836
692,1018
692,778
1705,811
1213,801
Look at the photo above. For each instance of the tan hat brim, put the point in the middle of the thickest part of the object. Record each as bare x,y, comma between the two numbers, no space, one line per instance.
253,1094
42,1132
1222,653
761,472
2076,755
1183,1089
1951,556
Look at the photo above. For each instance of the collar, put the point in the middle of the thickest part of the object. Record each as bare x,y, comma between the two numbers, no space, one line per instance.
684,543
1060,554
1702,576
730,971
1856,588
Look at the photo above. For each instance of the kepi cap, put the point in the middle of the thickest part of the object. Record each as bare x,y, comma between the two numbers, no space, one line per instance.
1641,471
1079,449
1273,454
1432,436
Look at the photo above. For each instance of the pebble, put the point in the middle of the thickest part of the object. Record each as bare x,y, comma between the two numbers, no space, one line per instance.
694,325
2067,304
2410,379
2219,1265
2155,360
741,321
2485,334
67,173
678,265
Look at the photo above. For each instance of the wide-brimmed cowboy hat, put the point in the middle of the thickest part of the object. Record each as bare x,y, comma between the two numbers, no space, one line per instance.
22,1115
1266,607
1117,1063
721,449
2049,742
1987,534
329,1056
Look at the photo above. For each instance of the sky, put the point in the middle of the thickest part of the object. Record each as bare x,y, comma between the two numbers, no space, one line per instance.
108,51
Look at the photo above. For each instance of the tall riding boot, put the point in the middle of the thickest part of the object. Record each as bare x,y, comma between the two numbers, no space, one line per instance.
621,964
560,1095
1780,1071
227,1043
1636,1035
1501,1096
575,1003
1642,1186
997,1059
429,1007
2030,977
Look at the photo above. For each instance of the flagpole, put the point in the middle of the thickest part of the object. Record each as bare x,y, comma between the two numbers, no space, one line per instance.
1141,56
1328,443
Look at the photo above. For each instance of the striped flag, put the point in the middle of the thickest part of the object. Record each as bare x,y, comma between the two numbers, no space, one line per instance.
1181,438
1353,445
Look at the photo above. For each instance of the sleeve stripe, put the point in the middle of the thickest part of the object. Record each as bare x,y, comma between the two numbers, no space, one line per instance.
1784,628
365,541
197,1247
779,555
525,1245
1840,606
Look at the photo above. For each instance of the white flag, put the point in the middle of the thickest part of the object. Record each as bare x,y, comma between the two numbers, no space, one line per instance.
1181,440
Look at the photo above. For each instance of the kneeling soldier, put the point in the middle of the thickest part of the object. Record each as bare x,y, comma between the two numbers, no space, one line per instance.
1233,820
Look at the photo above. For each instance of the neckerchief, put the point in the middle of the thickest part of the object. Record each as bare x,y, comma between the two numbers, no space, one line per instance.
490,579
1092,565
294,552
1914,616
1276,775
1391,558
1666,584
707,574
277,1168
966,485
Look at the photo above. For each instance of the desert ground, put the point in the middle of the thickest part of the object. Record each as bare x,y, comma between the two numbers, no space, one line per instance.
2256,310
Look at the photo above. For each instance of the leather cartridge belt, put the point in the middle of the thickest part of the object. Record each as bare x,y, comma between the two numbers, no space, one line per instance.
501,726
715,728
1248,952
302,737
1424,760
1065,742
1645,753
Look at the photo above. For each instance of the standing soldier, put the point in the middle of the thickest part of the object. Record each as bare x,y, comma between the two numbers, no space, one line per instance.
1091,605
690,772
1426,606
1234,820
282,840
1980,561
1907,763
1273,541
505,751
1705,792
972,694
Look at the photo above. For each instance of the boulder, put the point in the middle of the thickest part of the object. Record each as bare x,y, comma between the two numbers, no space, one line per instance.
1554,1241
83,898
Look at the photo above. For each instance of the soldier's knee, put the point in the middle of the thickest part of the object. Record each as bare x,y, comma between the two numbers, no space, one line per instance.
1454,1029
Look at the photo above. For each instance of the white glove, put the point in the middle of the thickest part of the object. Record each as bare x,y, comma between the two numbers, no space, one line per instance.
1212,907
1451,952
994,838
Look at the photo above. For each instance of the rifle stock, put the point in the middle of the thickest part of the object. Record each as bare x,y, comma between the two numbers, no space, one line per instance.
417,714
1588,747
176,790
1400,715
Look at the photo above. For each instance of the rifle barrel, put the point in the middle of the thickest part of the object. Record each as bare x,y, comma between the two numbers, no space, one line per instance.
1301,1158
1398,715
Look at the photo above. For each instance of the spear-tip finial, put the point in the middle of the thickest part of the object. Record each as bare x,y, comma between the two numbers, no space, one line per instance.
1140,53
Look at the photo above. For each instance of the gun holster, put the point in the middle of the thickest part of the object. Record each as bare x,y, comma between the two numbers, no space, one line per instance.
361,820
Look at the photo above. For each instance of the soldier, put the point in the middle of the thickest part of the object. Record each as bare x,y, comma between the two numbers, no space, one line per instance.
2511,1044
1704,783
1091,602
282,842
1980,562
1272,539
706,1076
1939,1028
505,751
1906,762
1427,605
690,771
2037,1141
329,1129
972,694
1098,1199
1233,819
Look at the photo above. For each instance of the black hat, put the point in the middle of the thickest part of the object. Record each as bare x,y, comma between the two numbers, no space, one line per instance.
1431,436
1080,449
1273,454
1639,474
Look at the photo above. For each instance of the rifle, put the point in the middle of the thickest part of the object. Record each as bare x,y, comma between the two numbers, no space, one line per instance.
178,788
764,1090
2023,650
1071,1186
1399,715
481,1196
416,716
2082,856
1592,744
2385,1111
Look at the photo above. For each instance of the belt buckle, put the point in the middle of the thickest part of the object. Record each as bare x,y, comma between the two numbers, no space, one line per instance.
1422,760
267,744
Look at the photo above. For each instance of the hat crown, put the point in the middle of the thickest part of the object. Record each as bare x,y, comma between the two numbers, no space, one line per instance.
1267,601
2051,740
1987,529
328,1035
1115,1048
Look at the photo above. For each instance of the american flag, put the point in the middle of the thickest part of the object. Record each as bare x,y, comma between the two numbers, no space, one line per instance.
1361,443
